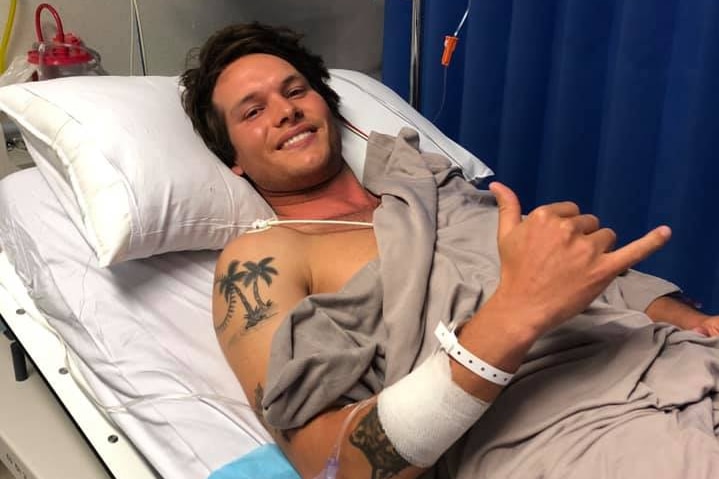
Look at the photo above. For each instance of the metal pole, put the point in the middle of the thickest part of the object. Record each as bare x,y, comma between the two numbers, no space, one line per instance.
415,53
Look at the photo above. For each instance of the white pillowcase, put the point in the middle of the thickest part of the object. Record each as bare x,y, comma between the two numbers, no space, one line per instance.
124,161
373,106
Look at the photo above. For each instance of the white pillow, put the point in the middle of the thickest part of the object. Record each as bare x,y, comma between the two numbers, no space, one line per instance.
123,159
372,106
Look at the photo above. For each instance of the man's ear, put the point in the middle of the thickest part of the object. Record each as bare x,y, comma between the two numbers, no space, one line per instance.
237,169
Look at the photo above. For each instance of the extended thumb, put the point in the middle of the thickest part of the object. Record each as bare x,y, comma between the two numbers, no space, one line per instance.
510,211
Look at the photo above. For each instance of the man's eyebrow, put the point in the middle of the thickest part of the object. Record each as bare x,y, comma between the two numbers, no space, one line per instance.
288,80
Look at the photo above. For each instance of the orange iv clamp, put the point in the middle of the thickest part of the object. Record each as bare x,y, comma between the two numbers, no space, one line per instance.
450,43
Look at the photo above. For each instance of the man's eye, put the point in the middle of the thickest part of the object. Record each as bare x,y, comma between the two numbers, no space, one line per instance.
251,113
295,92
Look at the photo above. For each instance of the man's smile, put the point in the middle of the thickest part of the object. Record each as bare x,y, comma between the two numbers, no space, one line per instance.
297,138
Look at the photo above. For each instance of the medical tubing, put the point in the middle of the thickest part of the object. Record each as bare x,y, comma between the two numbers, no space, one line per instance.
262,225
444,96
351,127
6,35
333,462
140,38
427,136
464,17
132,39
398,113
450,43
60,34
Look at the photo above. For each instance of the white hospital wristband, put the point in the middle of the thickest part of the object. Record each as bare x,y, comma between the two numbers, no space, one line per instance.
425,412
484,370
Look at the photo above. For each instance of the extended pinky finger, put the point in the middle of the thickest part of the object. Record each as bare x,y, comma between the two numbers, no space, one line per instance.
639,249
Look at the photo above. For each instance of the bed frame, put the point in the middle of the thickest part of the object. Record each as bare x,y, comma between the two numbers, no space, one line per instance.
42,436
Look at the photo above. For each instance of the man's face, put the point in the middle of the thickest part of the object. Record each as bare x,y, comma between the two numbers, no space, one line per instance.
284,135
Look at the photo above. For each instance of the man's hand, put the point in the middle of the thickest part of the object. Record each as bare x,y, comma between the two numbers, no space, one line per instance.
557,261
708,327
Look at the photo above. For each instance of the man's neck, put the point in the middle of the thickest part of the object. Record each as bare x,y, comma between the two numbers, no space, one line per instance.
342,197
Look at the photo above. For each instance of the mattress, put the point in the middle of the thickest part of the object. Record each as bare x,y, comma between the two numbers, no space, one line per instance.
142,331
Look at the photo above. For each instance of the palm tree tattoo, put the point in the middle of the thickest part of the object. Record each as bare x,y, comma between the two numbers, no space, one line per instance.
231,283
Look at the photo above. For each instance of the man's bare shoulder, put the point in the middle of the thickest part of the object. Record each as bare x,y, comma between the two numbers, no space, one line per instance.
259,277
259,280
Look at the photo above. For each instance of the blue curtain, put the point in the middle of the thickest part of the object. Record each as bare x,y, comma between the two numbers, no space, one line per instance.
613,104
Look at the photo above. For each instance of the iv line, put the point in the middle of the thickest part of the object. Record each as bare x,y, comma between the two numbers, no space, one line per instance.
136,27
450,43
332,465
464,17
262,225
444,95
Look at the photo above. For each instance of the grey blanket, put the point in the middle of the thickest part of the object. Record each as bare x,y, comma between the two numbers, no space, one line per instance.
608,394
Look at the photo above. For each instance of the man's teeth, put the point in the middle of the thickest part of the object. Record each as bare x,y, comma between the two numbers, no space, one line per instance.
296,138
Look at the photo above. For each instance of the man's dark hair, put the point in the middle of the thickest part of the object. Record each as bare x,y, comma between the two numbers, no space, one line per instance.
226,46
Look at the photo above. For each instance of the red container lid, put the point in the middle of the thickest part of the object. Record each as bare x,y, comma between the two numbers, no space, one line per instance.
64,49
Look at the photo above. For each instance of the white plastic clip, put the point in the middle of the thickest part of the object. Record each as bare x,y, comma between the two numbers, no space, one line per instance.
260,224
451,345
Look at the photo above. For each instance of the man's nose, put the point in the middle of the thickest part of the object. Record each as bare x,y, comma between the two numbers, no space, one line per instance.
286,111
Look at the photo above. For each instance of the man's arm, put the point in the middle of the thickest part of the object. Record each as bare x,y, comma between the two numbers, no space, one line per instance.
668,309
247,310
661,300
553,264
258,280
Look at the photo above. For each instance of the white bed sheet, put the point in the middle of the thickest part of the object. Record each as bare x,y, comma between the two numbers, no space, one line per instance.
143,327
48,355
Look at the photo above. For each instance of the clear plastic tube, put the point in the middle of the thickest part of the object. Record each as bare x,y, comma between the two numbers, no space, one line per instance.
450,42
332,466
464,18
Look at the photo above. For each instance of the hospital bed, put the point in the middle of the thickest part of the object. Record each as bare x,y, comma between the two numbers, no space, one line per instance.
107,251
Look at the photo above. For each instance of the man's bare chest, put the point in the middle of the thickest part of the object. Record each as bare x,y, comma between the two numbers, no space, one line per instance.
335,258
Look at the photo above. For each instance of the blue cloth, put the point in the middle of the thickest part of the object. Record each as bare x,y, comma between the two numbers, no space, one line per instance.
266,462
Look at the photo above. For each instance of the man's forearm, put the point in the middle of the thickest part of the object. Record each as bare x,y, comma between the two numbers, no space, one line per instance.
667,309
365,450
494,335
398,434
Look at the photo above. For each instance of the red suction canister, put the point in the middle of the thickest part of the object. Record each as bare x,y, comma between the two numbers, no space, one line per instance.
64,55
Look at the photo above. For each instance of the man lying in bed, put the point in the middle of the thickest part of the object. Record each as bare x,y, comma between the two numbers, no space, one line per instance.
316,319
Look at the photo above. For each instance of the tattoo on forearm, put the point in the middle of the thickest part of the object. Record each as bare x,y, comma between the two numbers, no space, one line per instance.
370,438
259,395
231,285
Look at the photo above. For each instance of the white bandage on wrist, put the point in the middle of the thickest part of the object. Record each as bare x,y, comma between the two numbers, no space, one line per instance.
425,412
484,370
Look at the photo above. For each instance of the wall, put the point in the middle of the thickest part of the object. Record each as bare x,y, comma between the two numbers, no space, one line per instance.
348,33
